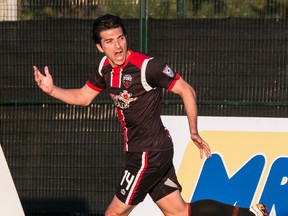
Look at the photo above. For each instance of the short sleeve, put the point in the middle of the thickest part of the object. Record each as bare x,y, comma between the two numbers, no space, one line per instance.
159,74
96,81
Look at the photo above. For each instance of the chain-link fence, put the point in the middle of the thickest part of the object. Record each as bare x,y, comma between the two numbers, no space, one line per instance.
66,159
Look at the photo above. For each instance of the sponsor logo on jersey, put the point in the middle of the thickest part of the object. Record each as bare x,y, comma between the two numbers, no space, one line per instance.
123,100
168,71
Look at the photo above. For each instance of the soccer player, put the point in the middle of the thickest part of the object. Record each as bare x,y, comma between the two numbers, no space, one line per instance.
135,82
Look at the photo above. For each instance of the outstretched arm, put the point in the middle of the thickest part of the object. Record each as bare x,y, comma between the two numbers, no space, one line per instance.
82,96
188,96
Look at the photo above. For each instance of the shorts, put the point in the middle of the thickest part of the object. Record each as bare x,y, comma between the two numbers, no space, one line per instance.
145,173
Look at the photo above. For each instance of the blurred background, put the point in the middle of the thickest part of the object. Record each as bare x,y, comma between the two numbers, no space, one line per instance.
67,160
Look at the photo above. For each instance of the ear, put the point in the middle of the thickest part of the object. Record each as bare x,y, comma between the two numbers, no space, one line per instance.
99,48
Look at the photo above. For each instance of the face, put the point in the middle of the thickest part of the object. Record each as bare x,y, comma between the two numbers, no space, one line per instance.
114,46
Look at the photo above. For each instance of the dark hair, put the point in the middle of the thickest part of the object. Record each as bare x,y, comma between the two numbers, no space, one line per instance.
103,23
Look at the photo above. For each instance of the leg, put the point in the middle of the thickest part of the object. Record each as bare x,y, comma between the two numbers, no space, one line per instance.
215,208
167,192
117,208
211,208
173,204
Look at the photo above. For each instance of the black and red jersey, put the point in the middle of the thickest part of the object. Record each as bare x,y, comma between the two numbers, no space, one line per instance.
136,90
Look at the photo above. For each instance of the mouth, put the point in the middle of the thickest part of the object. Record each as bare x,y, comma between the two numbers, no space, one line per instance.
119,55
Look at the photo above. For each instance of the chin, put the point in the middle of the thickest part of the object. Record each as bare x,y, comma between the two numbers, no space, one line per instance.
119,63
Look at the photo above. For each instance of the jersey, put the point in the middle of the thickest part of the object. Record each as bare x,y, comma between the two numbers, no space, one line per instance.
136,90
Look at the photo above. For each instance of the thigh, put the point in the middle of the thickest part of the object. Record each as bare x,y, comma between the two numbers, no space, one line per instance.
174,205
167,183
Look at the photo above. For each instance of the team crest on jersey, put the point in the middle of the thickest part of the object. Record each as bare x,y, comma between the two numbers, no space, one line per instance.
123,100
127,80
168,71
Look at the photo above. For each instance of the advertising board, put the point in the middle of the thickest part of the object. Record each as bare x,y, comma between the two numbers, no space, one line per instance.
249,162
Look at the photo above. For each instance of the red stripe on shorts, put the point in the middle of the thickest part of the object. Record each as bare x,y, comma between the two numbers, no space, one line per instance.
138,177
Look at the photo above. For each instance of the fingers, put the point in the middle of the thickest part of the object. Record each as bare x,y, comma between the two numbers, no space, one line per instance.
203,147
37,75
207,150
207,154
46,71
37,72
201,154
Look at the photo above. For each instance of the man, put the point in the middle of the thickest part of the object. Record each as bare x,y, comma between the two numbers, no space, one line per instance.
135,82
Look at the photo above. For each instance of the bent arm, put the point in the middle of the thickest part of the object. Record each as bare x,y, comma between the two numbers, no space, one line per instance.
188,96
82,96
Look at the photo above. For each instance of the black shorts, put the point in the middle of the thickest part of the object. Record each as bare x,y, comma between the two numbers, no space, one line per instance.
145,173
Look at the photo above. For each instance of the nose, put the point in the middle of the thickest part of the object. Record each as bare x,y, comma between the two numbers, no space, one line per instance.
117,44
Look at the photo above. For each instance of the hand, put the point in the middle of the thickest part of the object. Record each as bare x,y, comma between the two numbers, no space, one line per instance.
44,82
202,145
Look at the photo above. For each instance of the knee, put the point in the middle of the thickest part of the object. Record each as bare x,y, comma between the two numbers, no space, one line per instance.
110,212
117,212
178,209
